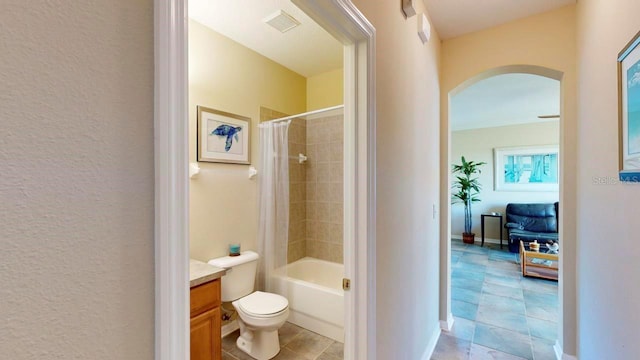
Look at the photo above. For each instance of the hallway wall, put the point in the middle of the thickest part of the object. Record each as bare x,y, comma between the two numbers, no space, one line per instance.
77,180
609,310
546,40
407,94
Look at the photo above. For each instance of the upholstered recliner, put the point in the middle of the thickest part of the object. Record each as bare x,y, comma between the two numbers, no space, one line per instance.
529,222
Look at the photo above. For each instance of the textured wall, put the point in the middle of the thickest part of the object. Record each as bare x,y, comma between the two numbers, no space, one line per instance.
76,183
407,95
227,76
608,292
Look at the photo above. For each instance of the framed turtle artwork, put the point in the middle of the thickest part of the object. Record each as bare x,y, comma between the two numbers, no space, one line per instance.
223,137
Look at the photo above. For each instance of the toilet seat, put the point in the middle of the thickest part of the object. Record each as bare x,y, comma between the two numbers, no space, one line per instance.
261,304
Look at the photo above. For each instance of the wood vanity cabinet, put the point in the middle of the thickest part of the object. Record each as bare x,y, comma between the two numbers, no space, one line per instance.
205,321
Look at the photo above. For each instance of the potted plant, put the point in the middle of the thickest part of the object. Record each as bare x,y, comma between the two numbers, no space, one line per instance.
465,190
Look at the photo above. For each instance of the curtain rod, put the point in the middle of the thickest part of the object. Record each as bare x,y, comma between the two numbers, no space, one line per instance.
306,114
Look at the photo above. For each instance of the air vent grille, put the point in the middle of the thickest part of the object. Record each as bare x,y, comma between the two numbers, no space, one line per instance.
281,21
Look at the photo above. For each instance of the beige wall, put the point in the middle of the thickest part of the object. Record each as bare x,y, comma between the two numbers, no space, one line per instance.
76,190
407,93
466,143
226,76
546,40
609,298
325,90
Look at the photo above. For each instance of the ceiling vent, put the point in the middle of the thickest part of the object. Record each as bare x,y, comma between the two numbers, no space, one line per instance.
281,21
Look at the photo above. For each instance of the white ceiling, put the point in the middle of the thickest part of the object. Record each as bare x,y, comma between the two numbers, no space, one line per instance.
453,18
307,49
508,99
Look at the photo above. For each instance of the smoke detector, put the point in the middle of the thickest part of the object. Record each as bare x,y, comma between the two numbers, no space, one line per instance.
281,21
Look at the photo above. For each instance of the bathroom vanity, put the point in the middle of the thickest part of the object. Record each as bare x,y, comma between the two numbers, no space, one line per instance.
205,311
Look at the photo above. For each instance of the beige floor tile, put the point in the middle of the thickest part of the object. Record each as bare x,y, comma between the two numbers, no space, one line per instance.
288,332
309,345
336,349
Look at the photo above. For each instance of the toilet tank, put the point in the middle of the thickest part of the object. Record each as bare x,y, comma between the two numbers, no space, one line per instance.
241,274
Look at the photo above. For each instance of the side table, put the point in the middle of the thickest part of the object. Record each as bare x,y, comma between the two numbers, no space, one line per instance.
493,214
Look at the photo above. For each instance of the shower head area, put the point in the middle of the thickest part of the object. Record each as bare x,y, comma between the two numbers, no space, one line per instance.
316,168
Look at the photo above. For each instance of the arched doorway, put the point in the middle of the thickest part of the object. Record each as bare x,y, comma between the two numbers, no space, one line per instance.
566,288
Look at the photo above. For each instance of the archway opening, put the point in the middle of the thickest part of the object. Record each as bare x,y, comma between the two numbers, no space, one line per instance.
450,300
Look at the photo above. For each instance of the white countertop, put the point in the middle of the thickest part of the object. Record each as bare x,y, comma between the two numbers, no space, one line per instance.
200,272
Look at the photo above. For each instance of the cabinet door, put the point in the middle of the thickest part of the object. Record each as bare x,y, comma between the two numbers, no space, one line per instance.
205,336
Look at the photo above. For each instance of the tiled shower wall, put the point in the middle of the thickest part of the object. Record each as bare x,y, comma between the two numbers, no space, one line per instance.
315,187
297,191
324,179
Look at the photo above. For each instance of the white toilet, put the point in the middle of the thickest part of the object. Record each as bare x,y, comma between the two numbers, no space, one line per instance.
260,314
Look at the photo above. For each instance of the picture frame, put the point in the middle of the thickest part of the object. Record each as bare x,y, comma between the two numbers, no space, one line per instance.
629,111
223,137
527,168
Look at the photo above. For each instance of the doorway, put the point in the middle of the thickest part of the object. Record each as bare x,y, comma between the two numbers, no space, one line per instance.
451,252
347,24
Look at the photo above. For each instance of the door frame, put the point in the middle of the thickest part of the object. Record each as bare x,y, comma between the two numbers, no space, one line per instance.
566,278
345,22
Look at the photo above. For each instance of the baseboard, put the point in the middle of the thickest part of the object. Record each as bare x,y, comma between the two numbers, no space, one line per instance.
479,240
229,328
433,340
447,325
561,355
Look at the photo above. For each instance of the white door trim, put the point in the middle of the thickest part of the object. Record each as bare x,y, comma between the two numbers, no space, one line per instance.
342,19
171,181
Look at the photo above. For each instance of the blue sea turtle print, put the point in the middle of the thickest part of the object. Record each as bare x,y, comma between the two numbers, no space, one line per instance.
230,132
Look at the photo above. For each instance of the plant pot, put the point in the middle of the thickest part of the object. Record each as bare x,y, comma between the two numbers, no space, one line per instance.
468,238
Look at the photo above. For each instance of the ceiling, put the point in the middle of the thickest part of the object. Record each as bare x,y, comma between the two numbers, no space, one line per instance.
307,49
508,99
453,18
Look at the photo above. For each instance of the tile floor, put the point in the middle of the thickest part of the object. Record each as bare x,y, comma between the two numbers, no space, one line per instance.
498,313
296,343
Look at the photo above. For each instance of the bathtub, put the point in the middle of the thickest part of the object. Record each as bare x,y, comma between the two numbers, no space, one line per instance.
316,299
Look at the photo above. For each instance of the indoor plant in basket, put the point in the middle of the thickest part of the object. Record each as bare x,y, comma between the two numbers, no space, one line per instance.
465,190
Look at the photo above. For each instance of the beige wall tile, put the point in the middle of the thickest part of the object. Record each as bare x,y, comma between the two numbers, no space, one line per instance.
336,213
324,172
335,151
323,191
323,151
311,228
311,191
336,170
336,234
336,253
336,191
312,153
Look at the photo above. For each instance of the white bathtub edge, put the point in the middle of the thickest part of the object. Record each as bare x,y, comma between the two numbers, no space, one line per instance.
316,325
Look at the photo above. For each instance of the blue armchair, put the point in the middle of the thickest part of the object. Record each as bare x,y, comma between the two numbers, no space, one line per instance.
529,222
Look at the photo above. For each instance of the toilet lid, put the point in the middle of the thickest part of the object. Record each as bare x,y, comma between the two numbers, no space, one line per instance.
261,303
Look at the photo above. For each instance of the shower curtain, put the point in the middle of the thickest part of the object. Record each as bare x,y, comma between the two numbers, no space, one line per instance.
273,203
